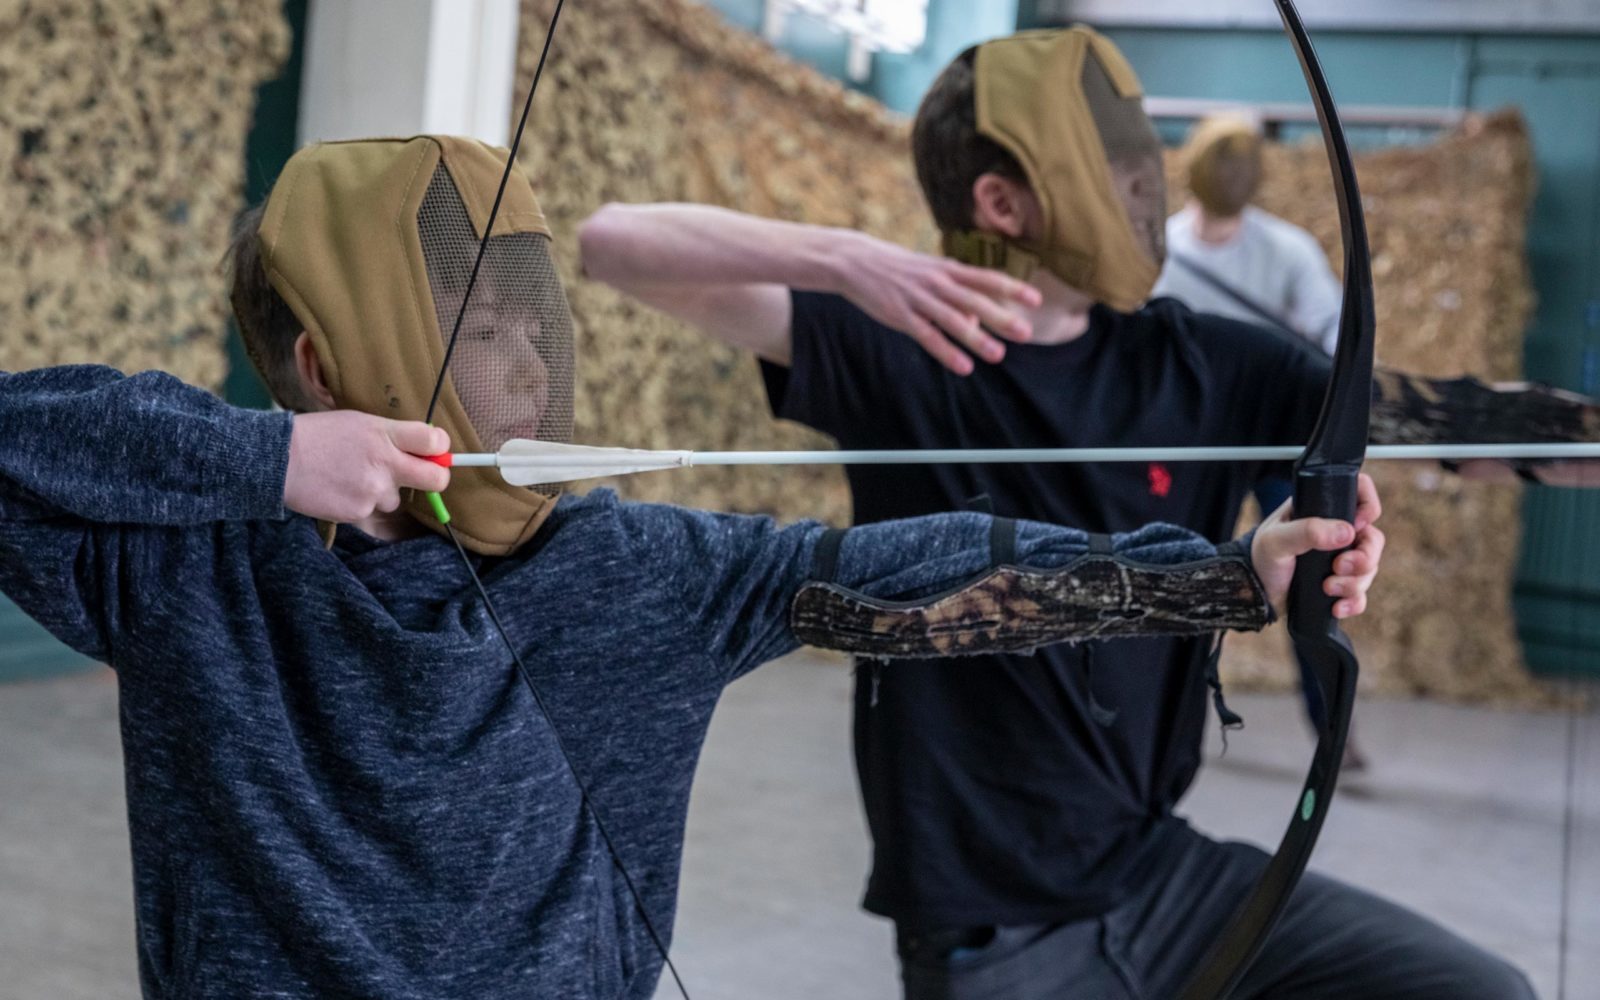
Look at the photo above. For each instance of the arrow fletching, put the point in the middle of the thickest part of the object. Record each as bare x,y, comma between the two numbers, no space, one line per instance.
543,463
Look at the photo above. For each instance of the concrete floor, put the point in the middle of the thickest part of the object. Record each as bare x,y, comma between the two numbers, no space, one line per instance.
1462,817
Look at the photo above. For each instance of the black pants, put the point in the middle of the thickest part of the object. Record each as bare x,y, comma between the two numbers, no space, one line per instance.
1333,942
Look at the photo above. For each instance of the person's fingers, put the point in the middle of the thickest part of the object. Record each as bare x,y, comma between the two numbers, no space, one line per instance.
1284,512
388,501
1368,506
1346,586
1355,572
1365,558
936,344
1296,538
420,474
415,438
961,328
1327,534
991,314
1352,564
1350,607
997,285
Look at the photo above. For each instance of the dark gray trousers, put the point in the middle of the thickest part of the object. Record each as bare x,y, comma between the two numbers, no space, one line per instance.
1334,942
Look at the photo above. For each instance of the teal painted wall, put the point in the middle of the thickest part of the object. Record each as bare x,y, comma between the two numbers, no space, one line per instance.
900,80
1557,84
804,38
28,652
897,80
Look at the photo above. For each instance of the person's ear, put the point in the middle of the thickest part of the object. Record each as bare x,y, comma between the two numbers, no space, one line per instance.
1001,205
309,367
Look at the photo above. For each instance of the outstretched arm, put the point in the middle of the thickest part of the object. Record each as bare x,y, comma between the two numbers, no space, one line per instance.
938,585
730,274
1160,580
1412,409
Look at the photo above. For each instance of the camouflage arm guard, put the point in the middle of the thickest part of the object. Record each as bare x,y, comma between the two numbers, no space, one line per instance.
1411,409
1014,609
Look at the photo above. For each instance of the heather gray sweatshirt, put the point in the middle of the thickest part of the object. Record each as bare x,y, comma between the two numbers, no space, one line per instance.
337,787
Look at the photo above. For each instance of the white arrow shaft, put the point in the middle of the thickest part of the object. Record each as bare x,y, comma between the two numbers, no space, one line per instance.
1272,453
978,456
530,463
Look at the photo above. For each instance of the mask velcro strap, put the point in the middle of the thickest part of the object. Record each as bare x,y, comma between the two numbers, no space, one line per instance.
990,251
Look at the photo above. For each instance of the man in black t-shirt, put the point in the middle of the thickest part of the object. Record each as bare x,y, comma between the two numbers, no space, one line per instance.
1025,842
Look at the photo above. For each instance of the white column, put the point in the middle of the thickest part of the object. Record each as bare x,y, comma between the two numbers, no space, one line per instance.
472,69
403,67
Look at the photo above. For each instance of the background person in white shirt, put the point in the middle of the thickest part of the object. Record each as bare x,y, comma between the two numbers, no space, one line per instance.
1228,257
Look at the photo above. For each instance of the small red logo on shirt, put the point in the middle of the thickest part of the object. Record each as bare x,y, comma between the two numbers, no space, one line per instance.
1160,480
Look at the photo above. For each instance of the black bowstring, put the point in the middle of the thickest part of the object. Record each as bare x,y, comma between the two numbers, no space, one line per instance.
466,560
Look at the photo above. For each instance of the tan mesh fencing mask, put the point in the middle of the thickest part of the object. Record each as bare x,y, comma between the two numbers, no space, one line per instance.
1223,162
372,244
1069,108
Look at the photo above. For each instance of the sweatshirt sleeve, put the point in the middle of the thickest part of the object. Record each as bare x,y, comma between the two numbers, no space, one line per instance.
740,576
87,443
98,471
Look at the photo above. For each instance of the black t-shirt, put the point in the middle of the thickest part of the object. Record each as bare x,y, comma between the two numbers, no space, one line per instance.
1022,789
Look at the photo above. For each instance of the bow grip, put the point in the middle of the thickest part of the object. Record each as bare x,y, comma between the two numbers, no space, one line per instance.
1325,491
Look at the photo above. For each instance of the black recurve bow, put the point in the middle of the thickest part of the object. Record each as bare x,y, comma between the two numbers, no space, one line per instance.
1324,486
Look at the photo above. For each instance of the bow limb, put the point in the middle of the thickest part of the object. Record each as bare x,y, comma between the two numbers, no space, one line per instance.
1325,486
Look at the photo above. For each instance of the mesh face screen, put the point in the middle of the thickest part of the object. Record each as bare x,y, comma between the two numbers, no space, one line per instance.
1134,150
513,362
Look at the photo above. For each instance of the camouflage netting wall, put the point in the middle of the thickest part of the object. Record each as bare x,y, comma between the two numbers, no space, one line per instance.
1454,296
122,135
660,101
649,100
